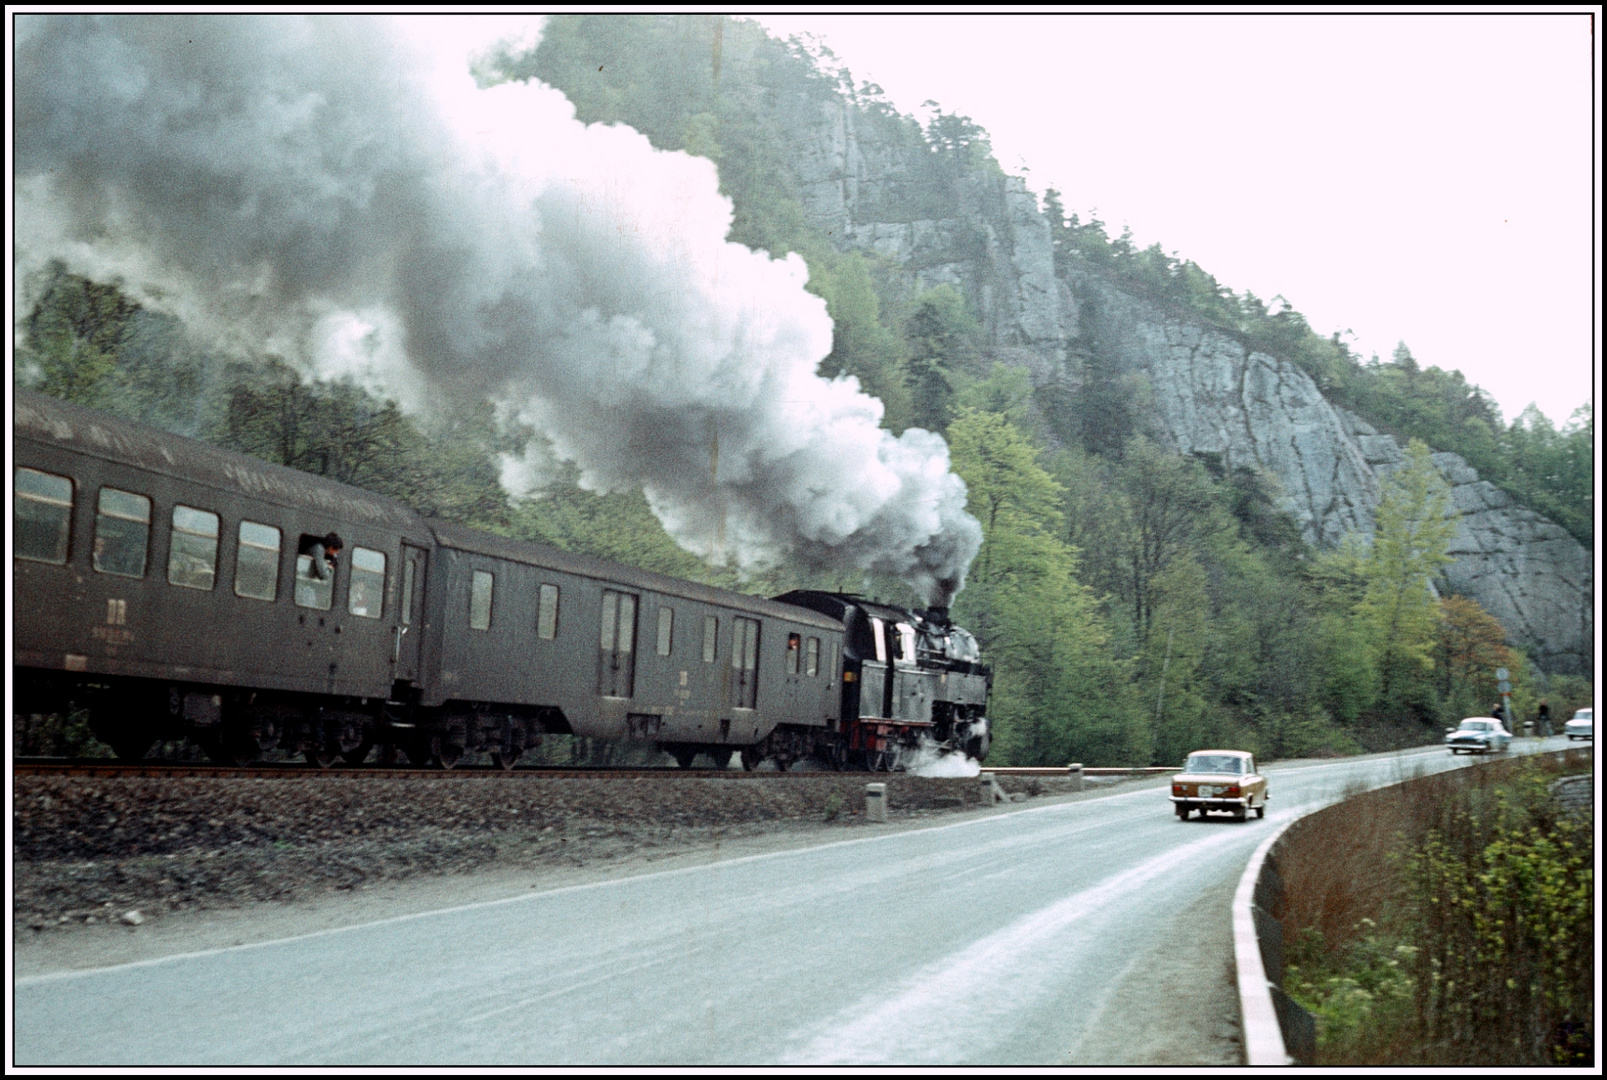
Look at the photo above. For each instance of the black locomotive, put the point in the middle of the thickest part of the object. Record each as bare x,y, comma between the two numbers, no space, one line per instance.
182,591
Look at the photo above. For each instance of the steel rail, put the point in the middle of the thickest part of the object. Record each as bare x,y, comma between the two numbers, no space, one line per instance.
262,770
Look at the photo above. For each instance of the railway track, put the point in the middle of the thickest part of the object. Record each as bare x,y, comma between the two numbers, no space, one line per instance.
269,770
104,767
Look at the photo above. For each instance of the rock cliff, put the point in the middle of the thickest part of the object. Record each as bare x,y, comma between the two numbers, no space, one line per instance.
1210,393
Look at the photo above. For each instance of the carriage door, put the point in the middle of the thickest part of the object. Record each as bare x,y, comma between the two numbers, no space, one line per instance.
408,631
744,663
616,663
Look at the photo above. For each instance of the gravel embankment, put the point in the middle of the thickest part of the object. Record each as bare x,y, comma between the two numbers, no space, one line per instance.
89,849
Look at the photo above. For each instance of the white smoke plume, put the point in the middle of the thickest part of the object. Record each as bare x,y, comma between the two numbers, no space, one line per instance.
338,190
929,759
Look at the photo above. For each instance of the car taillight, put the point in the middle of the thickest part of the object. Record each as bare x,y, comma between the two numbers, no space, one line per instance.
1177,789
1233,789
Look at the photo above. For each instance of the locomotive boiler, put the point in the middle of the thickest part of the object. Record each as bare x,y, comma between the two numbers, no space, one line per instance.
174,590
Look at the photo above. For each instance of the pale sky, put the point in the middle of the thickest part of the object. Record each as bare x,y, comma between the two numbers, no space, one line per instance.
1426,178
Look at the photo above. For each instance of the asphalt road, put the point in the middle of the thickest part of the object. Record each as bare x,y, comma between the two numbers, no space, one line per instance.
997,938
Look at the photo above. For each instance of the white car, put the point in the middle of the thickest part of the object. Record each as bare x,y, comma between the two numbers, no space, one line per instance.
1478,735
1582,726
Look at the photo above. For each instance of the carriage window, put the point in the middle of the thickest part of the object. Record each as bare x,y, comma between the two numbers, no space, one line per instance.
122,532
480,601
192,556
666,624
904,643
711,638
43,510
881,639
365,596
547,613
256,562
313,591
812,656
793,644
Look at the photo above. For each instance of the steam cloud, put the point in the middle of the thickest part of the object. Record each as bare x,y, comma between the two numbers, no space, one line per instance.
336,189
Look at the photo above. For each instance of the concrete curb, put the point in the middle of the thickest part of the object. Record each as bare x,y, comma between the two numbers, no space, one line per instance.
1263,1036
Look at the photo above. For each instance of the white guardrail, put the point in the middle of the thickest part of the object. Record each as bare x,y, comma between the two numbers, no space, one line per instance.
1263,1034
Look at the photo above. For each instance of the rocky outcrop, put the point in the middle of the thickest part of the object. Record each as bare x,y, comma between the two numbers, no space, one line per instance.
1213,395
1525,570
1210,394
985,235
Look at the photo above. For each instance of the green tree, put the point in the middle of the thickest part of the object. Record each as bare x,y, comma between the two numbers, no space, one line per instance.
939,336
71,337
861,345
1345,658
1059,693
1414,526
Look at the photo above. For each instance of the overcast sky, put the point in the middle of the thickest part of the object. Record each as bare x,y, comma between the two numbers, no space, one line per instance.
1425,178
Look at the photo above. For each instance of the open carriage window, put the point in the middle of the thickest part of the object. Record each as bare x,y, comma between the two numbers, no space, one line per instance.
317,559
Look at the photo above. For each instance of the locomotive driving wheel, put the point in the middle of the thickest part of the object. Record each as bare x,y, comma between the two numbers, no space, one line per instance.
751,757
684,756
504,759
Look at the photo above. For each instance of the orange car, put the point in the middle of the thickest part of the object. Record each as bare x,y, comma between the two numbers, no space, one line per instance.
1219,780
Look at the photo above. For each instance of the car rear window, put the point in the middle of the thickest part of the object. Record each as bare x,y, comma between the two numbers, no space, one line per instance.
1214,763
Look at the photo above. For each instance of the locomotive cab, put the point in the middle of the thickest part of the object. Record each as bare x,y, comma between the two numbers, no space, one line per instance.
911,679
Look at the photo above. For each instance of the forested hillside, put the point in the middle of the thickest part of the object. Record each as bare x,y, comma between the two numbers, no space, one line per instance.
1135,603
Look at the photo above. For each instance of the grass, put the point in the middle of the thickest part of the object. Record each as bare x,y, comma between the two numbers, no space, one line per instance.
1447,921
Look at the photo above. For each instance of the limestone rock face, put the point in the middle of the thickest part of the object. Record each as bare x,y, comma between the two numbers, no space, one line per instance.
860,182
1213,395
984,236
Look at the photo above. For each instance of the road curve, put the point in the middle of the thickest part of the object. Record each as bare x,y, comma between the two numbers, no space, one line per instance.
996,938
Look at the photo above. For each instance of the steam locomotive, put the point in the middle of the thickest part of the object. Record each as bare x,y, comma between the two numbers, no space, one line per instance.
174,589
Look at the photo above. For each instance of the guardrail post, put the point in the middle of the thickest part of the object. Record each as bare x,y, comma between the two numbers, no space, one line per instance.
1074,770
875,802
991,791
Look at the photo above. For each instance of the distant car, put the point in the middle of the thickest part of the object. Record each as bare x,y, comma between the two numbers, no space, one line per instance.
1478,735
1582,726
1219,780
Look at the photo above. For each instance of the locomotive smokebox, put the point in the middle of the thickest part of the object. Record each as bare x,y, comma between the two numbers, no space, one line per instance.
939,615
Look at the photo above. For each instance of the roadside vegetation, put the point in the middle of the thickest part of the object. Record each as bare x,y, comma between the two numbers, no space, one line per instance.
1135,604
1448,921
